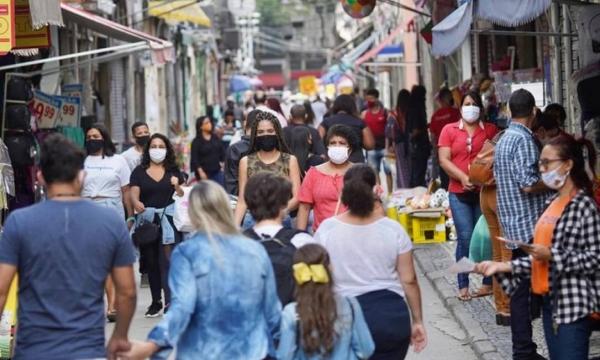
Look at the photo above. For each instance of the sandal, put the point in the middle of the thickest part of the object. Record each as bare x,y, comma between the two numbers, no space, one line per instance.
482,292
464,295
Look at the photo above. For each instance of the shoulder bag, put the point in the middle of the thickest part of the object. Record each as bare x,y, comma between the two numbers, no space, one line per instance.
149,233
481,171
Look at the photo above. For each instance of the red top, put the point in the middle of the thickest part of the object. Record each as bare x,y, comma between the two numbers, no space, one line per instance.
455,137
376,122
323,192
441,118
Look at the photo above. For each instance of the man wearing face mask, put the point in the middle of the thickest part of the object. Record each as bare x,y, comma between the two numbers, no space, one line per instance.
521,199
141,135
375,117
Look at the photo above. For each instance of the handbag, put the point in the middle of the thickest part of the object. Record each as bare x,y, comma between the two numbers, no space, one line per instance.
149,233
481,170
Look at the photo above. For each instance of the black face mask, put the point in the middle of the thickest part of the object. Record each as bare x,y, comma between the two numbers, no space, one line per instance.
93,146
266,142
142,140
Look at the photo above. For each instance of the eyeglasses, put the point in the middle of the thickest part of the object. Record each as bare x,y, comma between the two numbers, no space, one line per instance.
546,162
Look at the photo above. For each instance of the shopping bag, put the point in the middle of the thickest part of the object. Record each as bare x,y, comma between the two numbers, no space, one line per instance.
481,245
181,219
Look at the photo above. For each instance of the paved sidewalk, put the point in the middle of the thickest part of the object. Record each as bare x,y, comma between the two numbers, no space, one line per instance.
476,317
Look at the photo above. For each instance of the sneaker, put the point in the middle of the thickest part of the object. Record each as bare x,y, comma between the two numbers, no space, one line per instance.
154,310
144,281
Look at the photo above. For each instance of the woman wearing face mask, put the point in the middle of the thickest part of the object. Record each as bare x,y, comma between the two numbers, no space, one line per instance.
153,184
268,152
459,144
208,153
564,265
322,186
106,183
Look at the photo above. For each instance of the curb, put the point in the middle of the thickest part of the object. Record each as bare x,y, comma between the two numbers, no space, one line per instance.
478,339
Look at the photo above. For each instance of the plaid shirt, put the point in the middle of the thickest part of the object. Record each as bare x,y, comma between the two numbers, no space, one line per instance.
575,265
515,168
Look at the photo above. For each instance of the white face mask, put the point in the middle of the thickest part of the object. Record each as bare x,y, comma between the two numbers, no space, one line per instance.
338,154
158,155
554,180
470,113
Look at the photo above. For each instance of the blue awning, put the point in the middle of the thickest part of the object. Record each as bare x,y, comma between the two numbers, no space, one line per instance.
391,51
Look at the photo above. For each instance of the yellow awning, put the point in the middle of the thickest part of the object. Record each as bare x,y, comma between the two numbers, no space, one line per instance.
179,11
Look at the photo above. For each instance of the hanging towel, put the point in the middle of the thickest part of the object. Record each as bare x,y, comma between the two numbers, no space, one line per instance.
510,12
45,12
449,34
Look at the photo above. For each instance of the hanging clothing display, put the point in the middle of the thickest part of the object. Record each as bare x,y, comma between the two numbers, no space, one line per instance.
7,173
450,33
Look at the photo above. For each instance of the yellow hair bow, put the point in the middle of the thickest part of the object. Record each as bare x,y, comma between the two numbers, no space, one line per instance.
316,273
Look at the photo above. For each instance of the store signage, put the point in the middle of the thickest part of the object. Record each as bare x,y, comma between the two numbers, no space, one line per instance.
307,85
26,37
72,90
46,110
70,111
7,28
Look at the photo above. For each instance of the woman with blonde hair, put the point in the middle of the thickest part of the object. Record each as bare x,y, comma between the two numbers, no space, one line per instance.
223,297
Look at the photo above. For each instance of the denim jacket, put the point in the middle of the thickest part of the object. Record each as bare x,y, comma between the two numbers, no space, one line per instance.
353,341
168,232
224,302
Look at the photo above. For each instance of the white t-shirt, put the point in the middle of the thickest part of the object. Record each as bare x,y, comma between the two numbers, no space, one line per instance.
298,240
133,157
104,177
363,257
320,109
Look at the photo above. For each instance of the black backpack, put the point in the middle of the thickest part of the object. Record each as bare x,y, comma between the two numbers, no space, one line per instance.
19,89
18,117
21,148
281,252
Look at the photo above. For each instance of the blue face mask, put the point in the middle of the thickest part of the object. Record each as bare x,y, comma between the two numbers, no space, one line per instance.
553,179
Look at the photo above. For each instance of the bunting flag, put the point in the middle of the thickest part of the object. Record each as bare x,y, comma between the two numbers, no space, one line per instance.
449,34
45,12
511,12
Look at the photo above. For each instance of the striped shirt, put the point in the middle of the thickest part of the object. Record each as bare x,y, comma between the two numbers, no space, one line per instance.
516,168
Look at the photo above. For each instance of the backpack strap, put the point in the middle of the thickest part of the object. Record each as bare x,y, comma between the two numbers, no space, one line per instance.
252,234
286,235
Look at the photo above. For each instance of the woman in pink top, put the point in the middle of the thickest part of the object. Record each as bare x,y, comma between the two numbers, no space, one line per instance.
322,186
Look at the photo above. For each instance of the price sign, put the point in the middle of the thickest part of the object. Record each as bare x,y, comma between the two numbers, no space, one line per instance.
46,109
70,111
72,90
307,85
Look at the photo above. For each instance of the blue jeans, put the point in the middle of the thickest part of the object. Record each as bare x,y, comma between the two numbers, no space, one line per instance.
375,159
465,212
217,177
571,341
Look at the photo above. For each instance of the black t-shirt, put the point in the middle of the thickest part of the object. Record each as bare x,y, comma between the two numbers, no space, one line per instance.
357,126
317,143
207,154
155,194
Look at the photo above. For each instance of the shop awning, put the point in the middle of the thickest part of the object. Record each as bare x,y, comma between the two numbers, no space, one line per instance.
272,80
387,41
391,51
179,11
163,50
451,32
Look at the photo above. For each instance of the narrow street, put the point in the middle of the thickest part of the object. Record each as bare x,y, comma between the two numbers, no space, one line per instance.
443,330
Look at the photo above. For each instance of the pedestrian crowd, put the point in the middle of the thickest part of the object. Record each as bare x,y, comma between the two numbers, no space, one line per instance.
291,255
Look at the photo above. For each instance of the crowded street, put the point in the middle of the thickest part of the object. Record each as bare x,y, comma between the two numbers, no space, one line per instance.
300,180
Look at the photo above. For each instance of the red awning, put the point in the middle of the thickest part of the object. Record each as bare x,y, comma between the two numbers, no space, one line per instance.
272,80
163,50
374,51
